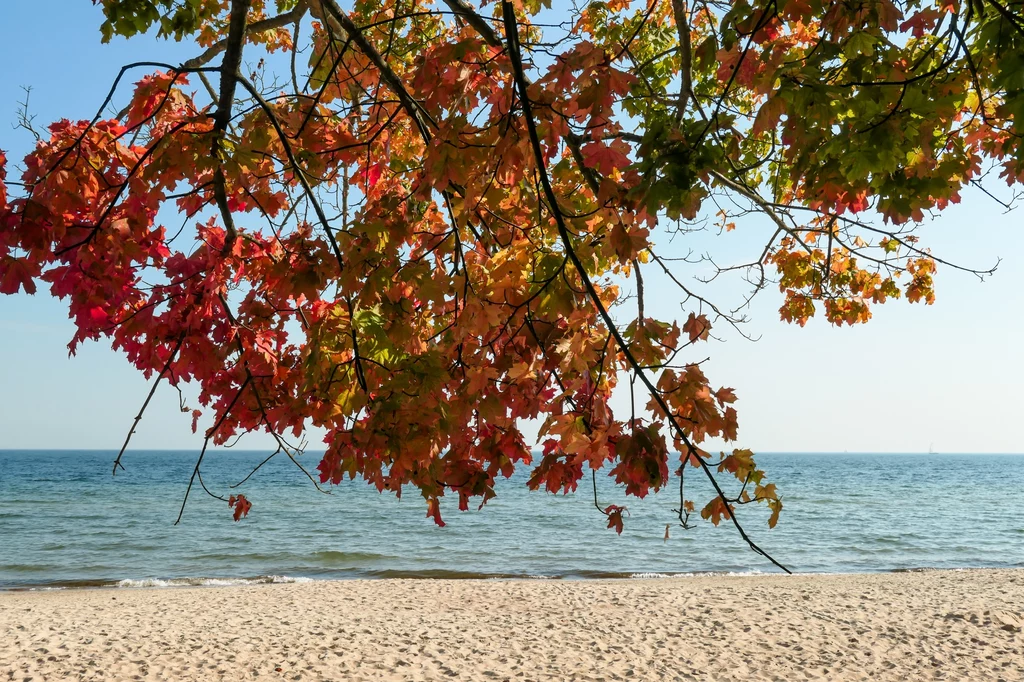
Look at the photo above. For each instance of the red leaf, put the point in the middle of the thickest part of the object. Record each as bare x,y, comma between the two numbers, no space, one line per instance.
372,174
614,513
434,510
241,506
606,158
15,274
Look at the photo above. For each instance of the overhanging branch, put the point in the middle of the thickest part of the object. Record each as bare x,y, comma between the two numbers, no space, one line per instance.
512,38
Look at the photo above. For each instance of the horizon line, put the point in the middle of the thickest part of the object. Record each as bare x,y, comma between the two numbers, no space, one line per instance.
314,451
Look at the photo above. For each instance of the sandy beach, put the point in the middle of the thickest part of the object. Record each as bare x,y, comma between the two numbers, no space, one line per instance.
956,625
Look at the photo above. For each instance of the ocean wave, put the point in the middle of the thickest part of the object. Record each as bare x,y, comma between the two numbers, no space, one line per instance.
210,582
695,574
651,576
331,556
23,568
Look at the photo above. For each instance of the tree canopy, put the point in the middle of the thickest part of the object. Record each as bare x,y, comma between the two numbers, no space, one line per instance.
417,224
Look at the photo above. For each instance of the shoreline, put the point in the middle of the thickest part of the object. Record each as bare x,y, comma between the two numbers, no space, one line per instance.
933,624
373,576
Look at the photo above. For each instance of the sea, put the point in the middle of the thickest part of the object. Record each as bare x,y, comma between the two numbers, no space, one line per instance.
67,522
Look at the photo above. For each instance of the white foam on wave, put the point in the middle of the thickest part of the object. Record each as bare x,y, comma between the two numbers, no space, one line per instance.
705,574
210,582
145,582
289,579
650,576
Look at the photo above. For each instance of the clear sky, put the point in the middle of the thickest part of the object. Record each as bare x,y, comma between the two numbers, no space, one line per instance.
947,376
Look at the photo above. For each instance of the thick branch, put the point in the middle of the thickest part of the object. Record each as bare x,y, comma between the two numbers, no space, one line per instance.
340,23
478,23
256,27
685,56
490,36
225,103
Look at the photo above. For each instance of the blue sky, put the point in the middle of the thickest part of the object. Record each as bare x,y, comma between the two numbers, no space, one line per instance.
947,375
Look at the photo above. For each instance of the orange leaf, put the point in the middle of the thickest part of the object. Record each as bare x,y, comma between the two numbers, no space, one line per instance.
697,327
241,506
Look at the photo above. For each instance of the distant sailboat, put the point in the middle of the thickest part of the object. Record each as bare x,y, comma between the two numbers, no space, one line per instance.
931,448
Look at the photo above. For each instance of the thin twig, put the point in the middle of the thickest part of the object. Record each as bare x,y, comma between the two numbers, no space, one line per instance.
142,410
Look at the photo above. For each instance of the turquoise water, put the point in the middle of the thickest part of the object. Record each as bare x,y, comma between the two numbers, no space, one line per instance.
64,521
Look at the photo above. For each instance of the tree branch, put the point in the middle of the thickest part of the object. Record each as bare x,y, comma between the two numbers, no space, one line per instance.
225,104
142,410
512,36
291,17
334,17
685,57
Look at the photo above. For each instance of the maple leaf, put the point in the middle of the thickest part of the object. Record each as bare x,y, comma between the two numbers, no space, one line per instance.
697,327
740,463
606,158
434,511
725,395
716,510
693,460
768,115
776,507
614,514
15,275
330,468
921,21
241,506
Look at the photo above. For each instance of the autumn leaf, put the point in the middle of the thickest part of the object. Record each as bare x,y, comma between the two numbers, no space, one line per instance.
614,514
241,505
776,507
15,275
693,460
740,463
768,115
434,511
606,158
716,510
697,327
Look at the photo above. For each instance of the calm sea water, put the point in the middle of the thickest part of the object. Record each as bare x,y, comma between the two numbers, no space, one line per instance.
64,521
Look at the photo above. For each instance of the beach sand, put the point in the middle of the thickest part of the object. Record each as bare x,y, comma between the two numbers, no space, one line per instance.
949,625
